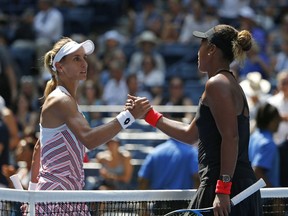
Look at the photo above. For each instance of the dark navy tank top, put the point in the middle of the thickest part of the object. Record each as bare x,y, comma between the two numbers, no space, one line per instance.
210,146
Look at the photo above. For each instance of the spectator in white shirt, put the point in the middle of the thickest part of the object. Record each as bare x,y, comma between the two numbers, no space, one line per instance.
48,25
149,76
115,91
197,19
147,42
280,100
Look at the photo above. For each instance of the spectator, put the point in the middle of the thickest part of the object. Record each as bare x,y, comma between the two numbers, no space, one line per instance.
134,89
247,17
176,96
147,42
115,91
149,18
27,118
196,19
174,18
280,60
92,95
28,87
280,100
112,40
171,165
149,76
257,91
117,170
228,11
116,55
48,23
23,153
49,27
278,36
23,48
9,119
255,61
4,146
263,152
8,76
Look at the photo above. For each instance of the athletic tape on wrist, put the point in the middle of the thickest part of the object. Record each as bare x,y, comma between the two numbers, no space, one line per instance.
125,118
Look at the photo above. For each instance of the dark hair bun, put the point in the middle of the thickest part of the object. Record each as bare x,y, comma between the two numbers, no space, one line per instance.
244,39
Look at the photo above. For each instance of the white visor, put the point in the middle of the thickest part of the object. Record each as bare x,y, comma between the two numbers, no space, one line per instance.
71,47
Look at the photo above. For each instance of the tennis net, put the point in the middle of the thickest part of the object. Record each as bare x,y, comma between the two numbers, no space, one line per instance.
125,203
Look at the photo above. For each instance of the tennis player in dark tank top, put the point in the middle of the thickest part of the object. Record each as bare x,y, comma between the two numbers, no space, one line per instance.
220,127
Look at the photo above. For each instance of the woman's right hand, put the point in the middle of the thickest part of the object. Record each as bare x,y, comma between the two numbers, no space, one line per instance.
138,106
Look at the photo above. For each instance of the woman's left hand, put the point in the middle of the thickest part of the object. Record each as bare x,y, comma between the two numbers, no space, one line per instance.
222,205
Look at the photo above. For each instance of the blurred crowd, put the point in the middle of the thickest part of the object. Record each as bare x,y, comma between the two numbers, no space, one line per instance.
143,47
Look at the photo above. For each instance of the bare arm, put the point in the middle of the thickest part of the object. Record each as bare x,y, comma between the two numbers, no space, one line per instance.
10,121
187,133
179,130
64,110
35,164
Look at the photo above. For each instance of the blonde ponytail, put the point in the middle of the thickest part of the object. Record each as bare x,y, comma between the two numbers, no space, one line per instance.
48,59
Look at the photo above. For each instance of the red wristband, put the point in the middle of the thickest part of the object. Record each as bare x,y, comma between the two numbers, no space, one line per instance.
223,187
152,117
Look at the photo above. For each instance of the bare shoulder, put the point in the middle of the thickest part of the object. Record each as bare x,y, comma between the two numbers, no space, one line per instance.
102,155
219,86
223,89
59,102
56,108
126,154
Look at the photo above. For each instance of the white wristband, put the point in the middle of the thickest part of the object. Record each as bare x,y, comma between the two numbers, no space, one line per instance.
125,118
32,186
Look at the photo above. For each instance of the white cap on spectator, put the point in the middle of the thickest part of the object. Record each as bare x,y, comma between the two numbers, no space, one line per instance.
147,36
255,85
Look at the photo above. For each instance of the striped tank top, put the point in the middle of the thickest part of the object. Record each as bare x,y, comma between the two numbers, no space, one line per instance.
61,157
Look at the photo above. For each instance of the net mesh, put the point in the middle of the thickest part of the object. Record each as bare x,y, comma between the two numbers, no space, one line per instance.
140,203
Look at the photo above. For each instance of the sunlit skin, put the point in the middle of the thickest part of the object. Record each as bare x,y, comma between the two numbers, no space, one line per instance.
74,66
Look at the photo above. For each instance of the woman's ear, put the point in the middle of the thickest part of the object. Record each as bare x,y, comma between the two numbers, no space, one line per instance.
212,48
58,66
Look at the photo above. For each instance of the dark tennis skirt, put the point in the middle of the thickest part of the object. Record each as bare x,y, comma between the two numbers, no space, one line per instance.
251,206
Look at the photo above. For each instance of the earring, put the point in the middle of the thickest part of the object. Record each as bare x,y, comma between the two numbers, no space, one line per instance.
209,54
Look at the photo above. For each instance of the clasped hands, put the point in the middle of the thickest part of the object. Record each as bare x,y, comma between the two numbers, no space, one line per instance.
137,106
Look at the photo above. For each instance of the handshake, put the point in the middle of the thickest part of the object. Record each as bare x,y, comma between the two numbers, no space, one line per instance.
136,108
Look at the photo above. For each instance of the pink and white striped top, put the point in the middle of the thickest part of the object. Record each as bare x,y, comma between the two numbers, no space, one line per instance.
61,157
